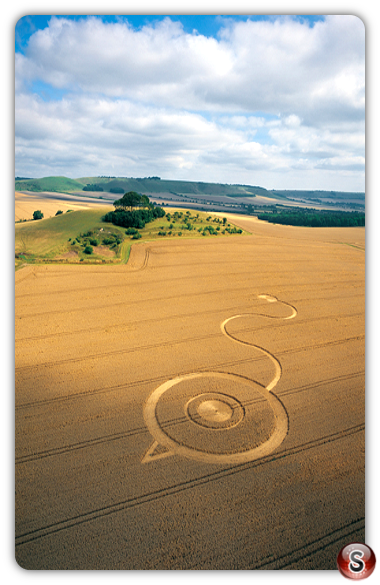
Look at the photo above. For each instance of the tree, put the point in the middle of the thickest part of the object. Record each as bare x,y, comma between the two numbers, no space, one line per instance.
145,201
38,214
131,200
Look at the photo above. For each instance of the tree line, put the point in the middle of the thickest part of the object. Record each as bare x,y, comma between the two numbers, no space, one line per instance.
314,218
92,187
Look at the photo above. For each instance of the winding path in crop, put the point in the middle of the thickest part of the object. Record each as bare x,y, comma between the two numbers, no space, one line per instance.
220,411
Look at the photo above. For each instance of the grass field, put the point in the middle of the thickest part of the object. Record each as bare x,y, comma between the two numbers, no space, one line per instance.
48,238
199,408
58,184
61,238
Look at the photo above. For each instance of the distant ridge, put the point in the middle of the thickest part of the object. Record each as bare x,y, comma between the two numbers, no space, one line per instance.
188,188
56,184
141,185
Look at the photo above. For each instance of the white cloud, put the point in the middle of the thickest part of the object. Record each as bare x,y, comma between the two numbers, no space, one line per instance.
265,95
255,66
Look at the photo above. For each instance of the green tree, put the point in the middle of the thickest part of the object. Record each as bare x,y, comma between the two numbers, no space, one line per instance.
38,214
131,200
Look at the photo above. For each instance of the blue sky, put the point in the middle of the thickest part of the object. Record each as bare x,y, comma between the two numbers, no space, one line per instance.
276,101
203,24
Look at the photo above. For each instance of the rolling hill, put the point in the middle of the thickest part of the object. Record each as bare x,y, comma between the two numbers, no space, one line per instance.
186,188
55,184
141,185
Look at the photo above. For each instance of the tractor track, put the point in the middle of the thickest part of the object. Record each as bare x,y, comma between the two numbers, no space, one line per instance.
180,487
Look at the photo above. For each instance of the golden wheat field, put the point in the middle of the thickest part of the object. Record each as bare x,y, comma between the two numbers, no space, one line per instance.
27,203
201,407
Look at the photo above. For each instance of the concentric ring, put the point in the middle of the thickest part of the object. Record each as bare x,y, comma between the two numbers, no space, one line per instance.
215,411
275,439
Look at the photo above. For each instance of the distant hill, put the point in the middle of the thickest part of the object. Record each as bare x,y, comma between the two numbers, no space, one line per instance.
196,189
141,185
55,184
157,185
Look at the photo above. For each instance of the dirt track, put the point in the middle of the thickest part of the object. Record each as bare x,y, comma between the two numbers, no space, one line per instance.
200,408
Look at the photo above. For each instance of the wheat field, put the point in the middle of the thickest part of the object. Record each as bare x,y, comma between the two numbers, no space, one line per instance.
201,407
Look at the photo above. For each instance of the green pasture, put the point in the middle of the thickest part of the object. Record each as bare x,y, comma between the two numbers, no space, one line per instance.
55,184
46,239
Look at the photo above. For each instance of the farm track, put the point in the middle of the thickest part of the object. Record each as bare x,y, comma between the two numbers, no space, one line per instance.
311,548
84,395
162,493
143,430
95,356
97,345
170,281
173,317
339,295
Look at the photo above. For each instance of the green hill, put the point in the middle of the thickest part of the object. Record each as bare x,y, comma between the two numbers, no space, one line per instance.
63,238
141,185
48,237
55,184
196,189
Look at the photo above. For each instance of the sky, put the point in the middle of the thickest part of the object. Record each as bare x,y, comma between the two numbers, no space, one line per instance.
274,101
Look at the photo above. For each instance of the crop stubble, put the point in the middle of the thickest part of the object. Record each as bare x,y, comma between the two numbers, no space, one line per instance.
93,343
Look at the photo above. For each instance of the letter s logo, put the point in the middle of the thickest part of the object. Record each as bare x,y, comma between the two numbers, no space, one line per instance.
356,565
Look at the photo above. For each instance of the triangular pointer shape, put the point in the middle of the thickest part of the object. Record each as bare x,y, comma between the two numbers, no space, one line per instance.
156,452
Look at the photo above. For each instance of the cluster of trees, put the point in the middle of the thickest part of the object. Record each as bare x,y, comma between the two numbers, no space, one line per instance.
91,239
136,218
126,214
134,233
311,218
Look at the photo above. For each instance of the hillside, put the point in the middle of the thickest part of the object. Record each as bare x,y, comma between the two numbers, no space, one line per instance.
55,184
65,237
48,237
194,194
157,185
142,185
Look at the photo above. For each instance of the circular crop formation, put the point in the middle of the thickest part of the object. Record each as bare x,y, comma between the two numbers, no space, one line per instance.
216,418
220,417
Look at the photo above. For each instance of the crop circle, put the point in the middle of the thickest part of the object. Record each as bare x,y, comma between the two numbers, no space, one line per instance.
215,411
198,435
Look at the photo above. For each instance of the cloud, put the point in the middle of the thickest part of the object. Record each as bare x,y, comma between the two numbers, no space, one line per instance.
259,65
157,100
